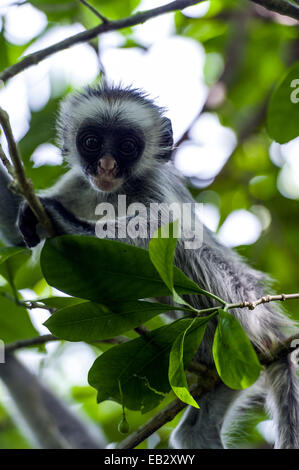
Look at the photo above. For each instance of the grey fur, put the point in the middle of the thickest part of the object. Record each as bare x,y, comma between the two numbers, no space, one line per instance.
213,266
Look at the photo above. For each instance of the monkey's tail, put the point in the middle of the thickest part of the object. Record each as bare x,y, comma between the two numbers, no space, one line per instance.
283,401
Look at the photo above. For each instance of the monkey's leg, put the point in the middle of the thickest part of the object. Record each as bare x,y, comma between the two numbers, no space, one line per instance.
201,429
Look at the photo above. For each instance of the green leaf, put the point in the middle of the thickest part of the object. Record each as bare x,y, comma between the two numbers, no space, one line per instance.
115,9
105,270
176,373
235,358
15,323
20,265
8,251
140,366
4,56
29,273
91,321
283,109
161,252
12,262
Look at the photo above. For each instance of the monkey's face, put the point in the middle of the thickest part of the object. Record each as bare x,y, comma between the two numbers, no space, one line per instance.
113,134
109,153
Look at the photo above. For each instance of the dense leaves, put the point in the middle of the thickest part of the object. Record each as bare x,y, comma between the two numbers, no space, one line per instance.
141,367
252,59
101,270
9,251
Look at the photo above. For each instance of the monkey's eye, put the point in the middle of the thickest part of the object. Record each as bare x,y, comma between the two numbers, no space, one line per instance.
91,143
128,146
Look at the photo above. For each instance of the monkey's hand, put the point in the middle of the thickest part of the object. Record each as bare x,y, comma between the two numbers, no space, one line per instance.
28,224
62,219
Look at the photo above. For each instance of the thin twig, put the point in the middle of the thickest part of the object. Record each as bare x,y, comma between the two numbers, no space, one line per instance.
249,304
32,304
21,183
38,340
263,300
281,6
116,340
6,162
91,8
26,343
29,304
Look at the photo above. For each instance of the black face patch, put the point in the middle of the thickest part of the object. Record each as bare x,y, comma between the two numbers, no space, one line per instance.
124,144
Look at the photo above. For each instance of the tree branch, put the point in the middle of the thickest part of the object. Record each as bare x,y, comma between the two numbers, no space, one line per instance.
250,304
138,18
38,340
263,300
280,6
25,343
21,183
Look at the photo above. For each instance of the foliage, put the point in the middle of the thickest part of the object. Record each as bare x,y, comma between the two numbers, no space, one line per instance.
255,58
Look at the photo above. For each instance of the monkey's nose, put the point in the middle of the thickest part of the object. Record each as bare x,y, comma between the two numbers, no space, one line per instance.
107,163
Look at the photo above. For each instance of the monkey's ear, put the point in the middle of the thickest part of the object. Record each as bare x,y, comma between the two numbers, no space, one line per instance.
166,139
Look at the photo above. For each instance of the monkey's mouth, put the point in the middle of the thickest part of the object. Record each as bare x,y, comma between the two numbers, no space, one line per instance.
107,175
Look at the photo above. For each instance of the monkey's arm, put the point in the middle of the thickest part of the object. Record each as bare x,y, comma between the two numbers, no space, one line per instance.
17,222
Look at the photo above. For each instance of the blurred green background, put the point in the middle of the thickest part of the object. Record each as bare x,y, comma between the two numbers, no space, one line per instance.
244,53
